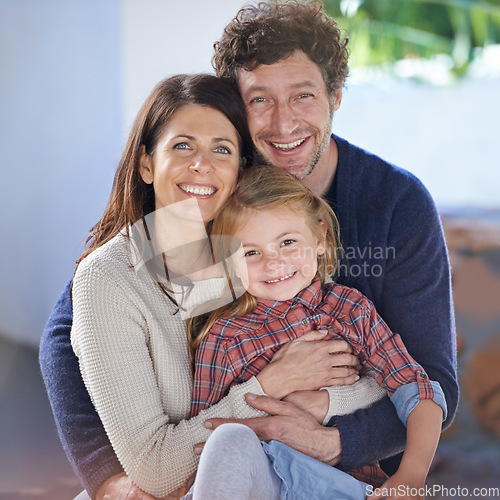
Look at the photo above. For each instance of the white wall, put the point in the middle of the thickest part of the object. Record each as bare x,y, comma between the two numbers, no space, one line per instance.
60,128
447,135
74,74
163,38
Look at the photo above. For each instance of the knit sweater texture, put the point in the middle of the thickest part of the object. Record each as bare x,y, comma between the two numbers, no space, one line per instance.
134,361
395,254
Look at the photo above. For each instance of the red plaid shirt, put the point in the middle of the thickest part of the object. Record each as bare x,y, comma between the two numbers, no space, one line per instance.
237,349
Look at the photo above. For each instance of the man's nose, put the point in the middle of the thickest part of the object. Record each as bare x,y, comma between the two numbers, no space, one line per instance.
284,119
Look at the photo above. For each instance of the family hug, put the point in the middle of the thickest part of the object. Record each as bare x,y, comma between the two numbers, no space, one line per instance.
264,309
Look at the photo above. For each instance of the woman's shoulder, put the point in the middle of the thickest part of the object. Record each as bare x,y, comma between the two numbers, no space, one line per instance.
111,259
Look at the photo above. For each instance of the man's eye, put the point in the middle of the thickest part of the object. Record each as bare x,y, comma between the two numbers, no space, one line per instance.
287,242
258,99
181,145
223,150
305,95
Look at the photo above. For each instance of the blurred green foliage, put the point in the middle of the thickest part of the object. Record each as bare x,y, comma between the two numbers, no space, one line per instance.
384,31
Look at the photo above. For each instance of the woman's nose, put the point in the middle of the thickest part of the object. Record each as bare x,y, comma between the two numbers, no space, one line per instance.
201,164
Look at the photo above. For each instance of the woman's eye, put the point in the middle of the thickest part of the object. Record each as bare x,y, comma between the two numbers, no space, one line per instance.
181,145
287,242
223,150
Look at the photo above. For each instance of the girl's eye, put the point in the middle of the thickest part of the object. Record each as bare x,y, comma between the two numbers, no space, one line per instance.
287,242
223,150
251,253
181,145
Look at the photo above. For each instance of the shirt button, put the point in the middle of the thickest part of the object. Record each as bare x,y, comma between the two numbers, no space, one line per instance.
295,302
423,375
305,321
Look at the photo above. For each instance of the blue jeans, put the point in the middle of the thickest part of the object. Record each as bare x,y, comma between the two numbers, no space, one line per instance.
304,477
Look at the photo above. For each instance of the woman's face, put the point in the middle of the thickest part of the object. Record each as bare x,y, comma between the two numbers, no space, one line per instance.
196,157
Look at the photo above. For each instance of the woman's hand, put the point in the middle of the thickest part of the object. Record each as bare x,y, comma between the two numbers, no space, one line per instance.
309,363
315,403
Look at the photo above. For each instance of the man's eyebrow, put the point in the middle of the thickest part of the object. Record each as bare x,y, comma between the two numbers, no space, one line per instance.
305,83
297,85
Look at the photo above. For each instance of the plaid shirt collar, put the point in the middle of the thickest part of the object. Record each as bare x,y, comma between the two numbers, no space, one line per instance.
311,297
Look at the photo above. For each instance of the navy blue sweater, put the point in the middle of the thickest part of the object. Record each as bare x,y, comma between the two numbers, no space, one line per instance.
394,253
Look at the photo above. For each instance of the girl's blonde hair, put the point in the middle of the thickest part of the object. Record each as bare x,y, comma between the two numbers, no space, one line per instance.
265,188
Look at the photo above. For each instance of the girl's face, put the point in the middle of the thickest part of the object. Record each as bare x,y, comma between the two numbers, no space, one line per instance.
280,251
197,157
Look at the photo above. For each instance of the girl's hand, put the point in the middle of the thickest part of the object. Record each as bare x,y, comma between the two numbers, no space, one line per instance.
307,364
400,486
315,403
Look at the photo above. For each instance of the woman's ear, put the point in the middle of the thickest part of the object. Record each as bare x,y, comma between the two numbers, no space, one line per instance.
146,166
320,249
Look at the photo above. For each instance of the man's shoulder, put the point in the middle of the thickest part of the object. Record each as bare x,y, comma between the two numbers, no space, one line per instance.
370,176
362,163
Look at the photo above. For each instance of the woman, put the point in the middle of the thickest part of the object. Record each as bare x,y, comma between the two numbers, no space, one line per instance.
187,145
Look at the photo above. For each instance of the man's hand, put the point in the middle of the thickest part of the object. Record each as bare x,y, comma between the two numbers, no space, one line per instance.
292,426
120,487
315,403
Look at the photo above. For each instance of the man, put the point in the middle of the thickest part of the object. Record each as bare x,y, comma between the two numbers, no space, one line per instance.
289,62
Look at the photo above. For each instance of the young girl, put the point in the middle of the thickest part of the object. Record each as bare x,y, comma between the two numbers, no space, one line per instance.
289,245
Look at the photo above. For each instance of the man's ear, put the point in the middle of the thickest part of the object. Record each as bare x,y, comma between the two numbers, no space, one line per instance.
146,166
337,99
322,240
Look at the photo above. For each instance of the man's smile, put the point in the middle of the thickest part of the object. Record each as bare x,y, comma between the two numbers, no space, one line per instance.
289,146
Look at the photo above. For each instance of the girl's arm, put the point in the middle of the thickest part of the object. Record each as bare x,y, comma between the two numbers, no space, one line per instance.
423,431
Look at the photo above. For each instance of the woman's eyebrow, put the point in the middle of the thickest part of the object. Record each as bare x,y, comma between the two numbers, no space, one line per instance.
192,138
222,139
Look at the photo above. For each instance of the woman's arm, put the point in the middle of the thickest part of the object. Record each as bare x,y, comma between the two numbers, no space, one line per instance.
112,339
79,427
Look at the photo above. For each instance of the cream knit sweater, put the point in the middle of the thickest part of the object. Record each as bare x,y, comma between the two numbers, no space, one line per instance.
133,356
134,361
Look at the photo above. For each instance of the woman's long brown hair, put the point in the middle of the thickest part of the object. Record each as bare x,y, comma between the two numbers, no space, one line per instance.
131,198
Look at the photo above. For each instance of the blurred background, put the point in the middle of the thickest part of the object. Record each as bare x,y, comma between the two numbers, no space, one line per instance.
424,93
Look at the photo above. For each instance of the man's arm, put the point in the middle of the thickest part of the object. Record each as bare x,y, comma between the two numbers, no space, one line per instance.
413,296
81,432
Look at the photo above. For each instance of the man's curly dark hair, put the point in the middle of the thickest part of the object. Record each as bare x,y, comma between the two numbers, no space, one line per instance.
272,30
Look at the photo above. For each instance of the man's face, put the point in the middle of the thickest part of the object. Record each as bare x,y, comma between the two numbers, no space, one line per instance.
289,112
